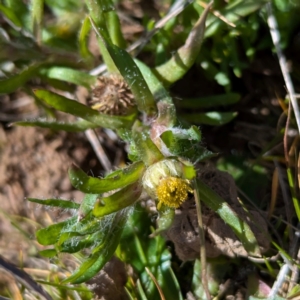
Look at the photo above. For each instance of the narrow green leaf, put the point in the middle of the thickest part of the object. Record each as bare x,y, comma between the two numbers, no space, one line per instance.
49,253
56,202
232,12
78,126
92,185
184,57
131,74
213,118
165,219
221,207
117,201
103,252
166,108
51,234
114,29
72,76
37,10
10,15
83,39
11,84
82,111
210,101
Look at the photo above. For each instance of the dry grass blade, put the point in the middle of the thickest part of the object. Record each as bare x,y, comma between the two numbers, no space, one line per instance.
217,14
162,297
24,278
275,184
99,151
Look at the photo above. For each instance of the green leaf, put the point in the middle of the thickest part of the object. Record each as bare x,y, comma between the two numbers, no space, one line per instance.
92,185
102,252
49,253
56,202
11,84
233,13
185,143
184,57
131,74
78,126
51,234
165,219
210,101
141,251
83,39
114,28
82,111
117,201
221,207
76,244
10,15
167,116
213,118
72,76
37,10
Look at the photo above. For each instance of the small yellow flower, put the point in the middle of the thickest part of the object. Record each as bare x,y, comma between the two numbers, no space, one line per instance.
172,191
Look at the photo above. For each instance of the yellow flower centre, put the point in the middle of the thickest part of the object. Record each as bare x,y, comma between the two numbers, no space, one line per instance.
172,191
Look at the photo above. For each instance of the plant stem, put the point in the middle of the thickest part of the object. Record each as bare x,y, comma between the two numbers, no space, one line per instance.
202,241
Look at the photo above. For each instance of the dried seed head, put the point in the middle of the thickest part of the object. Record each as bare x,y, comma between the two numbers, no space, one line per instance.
111,95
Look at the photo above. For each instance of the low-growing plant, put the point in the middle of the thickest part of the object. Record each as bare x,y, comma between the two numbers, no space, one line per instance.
164,149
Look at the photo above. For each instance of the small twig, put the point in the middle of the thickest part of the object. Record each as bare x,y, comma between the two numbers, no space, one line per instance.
202,241
283,63
96,145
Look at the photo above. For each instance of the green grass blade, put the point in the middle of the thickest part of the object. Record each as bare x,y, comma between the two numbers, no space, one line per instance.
213,118
10,15
11,84
210,101
221,207
83,39
92,185
293,193
82,111
37,10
